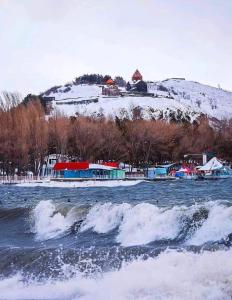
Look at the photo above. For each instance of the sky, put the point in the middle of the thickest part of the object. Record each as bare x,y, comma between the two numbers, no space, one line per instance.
50,42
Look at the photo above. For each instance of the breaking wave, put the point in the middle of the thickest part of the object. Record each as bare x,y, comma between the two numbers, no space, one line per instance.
50,220
133,225
171,275
145,223
217,226
104,218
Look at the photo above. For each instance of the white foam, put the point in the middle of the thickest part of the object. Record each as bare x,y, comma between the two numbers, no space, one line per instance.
171,276
145,223
139,224
83,184
216,227
48,222
103,218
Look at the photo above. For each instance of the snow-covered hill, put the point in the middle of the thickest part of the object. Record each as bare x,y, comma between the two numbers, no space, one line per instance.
173,98
208,100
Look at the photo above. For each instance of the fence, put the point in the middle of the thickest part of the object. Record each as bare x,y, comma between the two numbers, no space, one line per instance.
14,179
135,175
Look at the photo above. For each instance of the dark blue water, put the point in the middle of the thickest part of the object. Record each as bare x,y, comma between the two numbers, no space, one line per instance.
43,229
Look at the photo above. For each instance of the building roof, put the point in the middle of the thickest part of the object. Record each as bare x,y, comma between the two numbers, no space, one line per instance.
110,81
84,165
61,166
100,167
213,164
111,164
137,76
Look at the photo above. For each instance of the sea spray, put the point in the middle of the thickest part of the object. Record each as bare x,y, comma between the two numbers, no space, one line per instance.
170,276
84,184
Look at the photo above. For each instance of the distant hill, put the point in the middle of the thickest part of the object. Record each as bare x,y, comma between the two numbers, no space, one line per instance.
174,98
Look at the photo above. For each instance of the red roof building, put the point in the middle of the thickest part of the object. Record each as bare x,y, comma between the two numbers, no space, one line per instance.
137,76
60,166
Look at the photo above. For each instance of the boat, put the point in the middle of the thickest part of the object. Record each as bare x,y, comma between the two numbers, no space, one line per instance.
185,173
212,170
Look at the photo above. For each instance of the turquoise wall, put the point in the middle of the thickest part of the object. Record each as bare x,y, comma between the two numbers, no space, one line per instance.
107,174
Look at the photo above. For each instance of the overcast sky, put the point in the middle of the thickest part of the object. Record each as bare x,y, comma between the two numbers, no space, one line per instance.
49,42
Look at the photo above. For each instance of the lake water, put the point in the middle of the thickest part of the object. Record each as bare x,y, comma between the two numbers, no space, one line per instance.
162,240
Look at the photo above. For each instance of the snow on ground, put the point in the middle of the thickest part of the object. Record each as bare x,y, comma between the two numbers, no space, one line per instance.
209,100
83,91
123,107
171,96
83,184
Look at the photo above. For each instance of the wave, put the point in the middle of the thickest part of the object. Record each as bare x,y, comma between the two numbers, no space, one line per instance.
145,223
12,213
217,226
105,217
172,275
83,184
138,224
133,225
50,220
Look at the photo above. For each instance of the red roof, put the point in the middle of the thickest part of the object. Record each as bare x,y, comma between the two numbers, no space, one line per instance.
111,164
60,166
83,165
137,76
109,81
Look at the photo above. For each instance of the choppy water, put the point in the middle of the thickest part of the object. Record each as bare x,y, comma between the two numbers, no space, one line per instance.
164,240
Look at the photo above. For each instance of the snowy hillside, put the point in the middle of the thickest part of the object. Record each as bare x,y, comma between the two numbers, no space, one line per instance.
173,98
209,100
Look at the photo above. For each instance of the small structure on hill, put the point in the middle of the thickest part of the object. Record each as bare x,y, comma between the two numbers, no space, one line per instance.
111,89
137,85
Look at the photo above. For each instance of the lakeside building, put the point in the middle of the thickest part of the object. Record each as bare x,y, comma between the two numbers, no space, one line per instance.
86,170
49,163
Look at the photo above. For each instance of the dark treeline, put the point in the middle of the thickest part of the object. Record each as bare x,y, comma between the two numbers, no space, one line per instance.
27,136
87,79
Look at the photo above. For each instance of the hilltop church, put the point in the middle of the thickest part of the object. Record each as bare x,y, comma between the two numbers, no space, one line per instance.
137,85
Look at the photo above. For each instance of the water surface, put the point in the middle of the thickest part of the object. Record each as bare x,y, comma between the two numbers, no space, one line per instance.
161,240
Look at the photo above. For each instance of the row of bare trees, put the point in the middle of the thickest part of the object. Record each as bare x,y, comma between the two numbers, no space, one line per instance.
27,136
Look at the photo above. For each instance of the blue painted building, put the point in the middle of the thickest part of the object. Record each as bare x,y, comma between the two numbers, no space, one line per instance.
85,170
152,173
